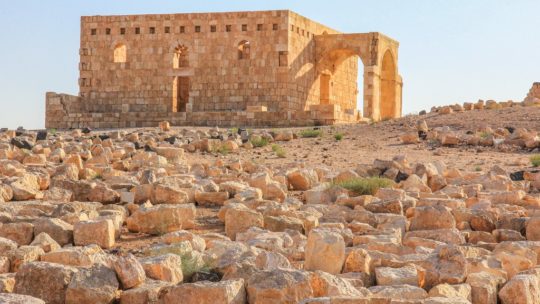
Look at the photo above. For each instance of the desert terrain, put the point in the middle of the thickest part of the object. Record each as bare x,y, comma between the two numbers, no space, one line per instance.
435,208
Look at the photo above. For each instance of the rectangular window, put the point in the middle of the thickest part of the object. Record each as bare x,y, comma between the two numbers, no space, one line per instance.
244,27
122,31
298,30
167,29
259,27
275,27
93,32
228,28
107,31
182,29
213,28
197,29
302,32
137,30
152,30
292,28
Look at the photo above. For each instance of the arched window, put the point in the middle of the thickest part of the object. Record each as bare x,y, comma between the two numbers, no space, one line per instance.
180,59
243,50
120,53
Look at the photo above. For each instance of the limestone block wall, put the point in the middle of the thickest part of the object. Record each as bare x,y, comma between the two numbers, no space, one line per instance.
218,79
64,112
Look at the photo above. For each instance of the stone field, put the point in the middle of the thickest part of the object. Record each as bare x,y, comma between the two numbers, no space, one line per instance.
426,209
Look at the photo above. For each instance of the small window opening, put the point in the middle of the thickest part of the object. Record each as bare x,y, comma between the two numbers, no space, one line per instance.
244,50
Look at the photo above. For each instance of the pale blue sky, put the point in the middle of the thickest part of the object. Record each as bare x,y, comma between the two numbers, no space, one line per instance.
450,50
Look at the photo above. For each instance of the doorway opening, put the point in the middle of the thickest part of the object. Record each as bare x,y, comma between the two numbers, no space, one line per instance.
180,94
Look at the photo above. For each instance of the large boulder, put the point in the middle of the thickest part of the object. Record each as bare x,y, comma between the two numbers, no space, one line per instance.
398,292
206,292
521,289
10,298
325,250
327,285
46,281
24,254
144,294
130,271
279,286
21,233
429,218
97,284
484,287
162,219
397,276
76,256
56,228
241,219
100,232
167,267
303,179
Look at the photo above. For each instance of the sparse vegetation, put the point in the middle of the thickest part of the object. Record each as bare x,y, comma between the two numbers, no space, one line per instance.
224,150
233,130
535,160
338,136
365,186
52,131
477,168
279,150
484,135
259,142
310,133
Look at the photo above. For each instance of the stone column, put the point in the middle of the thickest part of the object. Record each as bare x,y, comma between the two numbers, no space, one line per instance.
372,83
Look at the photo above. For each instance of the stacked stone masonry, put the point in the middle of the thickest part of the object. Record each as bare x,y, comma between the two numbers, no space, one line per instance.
265,68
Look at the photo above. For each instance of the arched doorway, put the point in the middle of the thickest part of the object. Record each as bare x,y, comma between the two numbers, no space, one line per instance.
181,84
388,102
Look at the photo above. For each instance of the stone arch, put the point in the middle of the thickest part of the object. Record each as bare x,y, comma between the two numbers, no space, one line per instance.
372,49
329,68
120,53
388,103
244,49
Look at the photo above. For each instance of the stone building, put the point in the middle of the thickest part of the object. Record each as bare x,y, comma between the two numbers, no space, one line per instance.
264,68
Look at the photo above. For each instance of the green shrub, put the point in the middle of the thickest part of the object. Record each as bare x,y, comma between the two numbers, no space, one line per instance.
535,160
477,168
52,131
280,152
365,186
338,136
221,150
259,142
484,135
233,130
310,133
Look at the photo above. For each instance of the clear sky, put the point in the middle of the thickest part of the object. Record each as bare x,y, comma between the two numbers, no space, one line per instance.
450,50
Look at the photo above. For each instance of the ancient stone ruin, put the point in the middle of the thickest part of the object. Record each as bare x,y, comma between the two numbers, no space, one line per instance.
266,68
